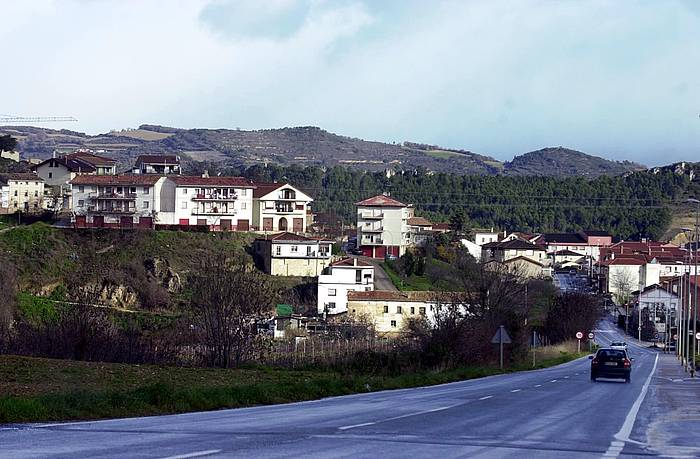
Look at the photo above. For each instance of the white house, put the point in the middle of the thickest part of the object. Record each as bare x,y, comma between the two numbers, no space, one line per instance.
659,301
341,277
221,203
289,254
157,164
120,201
21,191
382,226
280,207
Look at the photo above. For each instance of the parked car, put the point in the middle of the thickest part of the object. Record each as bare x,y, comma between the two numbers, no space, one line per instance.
611,363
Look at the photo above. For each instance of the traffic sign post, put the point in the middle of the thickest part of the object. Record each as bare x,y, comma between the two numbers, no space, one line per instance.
590,341
579,335
501,337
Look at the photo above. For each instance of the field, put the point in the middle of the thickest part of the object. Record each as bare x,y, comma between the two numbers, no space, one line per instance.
38,389
142,134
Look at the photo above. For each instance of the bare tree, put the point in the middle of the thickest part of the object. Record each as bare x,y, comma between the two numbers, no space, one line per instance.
227,300
621,281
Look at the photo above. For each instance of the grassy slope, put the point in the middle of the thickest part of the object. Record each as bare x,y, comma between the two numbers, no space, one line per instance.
424,282
36,389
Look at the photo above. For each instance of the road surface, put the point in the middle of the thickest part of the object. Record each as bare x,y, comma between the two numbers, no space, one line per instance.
567,282
553,413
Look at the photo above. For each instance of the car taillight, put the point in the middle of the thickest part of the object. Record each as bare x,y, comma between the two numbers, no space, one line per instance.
594,361
627,362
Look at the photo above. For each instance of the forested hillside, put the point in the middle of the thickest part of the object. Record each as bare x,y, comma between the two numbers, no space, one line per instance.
637,205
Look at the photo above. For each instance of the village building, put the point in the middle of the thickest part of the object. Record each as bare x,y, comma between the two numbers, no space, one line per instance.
382,227
157,164
280,207
21,192
120,201
587,243
341,277
289,254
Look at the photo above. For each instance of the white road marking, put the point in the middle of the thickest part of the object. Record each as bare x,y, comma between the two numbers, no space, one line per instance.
553,380
515,390
356,425
623,435
538,385
195,454
485,398
566,377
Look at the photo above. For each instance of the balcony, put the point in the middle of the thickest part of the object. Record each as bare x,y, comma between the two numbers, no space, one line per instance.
215,197
112,196
371,242
370,229
371,215
214,211
111,211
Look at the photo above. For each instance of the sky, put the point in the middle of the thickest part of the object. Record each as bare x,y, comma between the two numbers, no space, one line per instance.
615,78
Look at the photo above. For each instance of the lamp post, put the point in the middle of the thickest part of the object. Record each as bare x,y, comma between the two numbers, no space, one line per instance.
684,342
695,273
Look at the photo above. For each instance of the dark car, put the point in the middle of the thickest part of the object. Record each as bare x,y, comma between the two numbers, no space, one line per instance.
611,363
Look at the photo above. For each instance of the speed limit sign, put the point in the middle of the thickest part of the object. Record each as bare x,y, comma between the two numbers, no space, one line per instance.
590,335
675,337
697,336
579,335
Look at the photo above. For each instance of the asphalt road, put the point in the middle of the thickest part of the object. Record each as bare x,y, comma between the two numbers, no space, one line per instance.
557,412
567,282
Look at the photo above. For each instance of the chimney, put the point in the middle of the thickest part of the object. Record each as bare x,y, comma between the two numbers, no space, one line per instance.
205,174
354,261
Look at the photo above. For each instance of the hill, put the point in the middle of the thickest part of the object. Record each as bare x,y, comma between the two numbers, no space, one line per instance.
305,146
563,162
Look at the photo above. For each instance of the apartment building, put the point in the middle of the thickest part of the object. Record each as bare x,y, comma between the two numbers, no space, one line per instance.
341,277
280,207
120,201
157,164
289,254
221,203
382,226
21,192
587,243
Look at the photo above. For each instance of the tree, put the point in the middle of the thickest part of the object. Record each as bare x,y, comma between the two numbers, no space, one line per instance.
7,143
621,281
571,313
8,292
227,300
458,220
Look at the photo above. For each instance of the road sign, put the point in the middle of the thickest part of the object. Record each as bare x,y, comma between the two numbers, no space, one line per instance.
590,335
697,335
675,337
656,336
579,335
501,336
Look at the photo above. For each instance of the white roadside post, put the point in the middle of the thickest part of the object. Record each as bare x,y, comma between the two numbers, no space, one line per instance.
579,335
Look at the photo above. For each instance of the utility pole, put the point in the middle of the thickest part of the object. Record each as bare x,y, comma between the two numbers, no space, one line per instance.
695,274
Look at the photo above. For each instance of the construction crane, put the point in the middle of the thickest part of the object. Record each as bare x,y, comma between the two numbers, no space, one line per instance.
34,119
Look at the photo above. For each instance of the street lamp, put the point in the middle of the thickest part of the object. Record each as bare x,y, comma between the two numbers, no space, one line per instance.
684,324
695,273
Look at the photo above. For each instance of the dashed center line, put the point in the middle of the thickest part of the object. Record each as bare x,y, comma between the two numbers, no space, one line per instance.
356,425
538,385
553,380
208,452
515,390
566,377
486,397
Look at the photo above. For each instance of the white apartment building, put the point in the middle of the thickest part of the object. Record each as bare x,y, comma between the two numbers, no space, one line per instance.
280,207
289,254
341,277
120,201
21,192
157,164
221,203
382,226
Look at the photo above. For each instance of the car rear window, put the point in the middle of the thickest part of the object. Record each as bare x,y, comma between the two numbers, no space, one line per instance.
611,354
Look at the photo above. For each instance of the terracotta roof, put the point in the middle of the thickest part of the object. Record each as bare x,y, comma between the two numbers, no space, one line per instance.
351,262
158,159
73,165
624,261
265,188
380,201
124,179
392,295
441,226
92,159
20,176
523,258
419,221
187,180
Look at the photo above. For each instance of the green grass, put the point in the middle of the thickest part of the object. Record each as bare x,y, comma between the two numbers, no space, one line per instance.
38,389
442,154
423,282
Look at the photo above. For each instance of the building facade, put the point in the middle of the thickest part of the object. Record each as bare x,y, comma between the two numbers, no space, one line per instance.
280,207
341,277
157,164
382,227
120,201
21,192
289,254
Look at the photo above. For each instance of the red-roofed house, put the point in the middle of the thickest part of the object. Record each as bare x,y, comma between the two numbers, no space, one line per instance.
221,203
382,226
157,164
280,207
289,254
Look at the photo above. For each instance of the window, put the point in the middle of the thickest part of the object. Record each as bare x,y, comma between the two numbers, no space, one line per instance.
15,192
308,250
294,249
26,194
269,205
184,191
50,174
244,205
386,309
244,192
368,289
331,292
331,305
413,310
183,205
399,310
36,193
393,324
421,310
146,190
132,190
145,204
358,276
81,203
278,250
